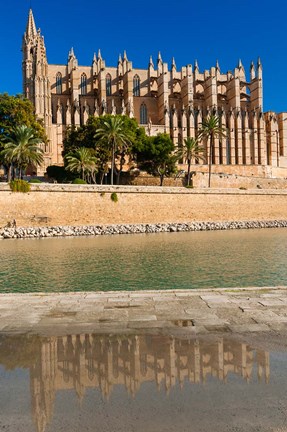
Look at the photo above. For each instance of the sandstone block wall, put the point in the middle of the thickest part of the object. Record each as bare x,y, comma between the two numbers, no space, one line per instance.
48,205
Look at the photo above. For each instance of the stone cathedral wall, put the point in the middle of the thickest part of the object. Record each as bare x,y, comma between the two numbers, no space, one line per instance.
48,205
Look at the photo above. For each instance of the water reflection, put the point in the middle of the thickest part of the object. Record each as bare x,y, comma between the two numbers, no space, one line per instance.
81,362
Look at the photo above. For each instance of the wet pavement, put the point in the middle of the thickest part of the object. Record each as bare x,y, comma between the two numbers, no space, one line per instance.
144,362
144,382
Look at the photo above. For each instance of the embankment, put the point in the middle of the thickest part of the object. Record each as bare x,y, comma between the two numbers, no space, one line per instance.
82,205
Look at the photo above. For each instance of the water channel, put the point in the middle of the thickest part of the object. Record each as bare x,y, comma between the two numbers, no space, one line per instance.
142,379
145,261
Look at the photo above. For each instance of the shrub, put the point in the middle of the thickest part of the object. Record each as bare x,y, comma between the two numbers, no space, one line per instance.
19,186
35,181
79,181
114,197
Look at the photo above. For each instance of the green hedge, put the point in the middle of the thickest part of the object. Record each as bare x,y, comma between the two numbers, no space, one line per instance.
35,181
79,181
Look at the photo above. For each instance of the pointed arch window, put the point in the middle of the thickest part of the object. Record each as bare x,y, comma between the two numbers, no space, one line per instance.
109,85
83,84
136,85
143,114
59,83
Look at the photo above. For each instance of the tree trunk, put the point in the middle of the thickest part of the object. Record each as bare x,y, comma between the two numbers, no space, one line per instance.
9,173
93,176
113,163
102,178
161,179
122,161
210,159
188,171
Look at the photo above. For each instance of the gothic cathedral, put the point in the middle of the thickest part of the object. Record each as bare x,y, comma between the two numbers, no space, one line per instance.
162,99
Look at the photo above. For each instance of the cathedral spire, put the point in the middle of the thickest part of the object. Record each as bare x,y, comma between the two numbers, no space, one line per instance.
40,49
259,68
71,53
72,60
240,65
173,65
252,71
259,64
151,62
31,30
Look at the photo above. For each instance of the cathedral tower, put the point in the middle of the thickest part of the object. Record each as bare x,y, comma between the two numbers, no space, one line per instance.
36,83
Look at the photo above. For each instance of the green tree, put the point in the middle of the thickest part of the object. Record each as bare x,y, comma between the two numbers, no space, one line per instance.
58,173
83,162
155,155
118,139
211,129
21,149
15,111
191,150
84,136
87,136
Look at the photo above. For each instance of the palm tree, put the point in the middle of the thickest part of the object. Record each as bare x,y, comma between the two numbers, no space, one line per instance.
211,129
191,150
22,149
83,162
114,133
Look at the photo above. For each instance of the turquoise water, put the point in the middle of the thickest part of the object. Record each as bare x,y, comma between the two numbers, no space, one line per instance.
145,261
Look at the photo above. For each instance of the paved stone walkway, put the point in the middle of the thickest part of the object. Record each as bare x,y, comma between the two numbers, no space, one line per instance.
199,311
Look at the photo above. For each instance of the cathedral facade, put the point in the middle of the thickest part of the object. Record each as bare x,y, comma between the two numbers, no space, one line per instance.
161,98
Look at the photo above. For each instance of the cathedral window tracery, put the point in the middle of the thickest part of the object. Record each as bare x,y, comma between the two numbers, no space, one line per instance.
59,83
136,85
83,84
109,85
143,114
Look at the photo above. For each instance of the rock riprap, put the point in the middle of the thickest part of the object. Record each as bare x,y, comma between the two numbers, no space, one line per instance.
95,230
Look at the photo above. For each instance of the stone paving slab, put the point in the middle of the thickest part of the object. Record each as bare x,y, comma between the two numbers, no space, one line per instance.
246,328
233,310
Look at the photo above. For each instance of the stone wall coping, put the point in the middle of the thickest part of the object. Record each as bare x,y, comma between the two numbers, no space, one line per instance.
70,188
149,292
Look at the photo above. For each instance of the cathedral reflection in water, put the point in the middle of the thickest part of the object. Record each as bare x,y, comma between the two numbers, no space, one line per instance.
103,361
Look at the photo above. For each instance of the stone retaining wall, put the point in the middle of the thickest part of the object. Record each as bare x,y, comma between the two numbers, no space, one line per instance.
89,205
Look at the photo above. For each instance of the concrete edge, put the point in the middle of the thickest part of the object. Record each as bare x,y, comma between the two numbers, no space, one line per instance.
144,293
71,188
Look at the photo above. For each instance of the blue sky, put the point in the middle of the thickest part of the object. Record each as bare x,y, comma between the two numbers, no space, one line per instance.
205,30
